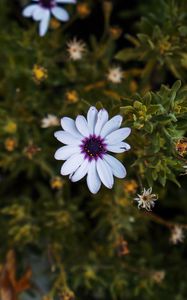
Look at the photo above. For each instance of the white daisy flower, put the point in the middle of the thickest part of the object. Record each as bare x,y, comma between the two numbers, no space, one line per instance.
41,11
146,199
115,75
75,49
88,142
49,121
177,235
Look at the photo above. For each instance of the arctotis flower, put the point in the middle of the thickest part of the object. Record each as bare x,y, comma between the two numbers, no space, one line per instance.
88,142
75,49
146,199
41,11
177,235
49,121
115,75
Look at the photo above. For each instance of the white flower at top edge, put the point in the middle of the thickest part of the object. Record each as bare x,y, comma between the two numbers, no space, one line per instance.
115,75
146,199
87,143
75,49
41,10
49,121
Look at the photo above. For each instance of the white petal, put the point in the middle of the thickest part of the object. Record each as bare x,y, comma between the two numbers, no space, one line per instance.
93,181
117,168
65,1
80,172
44,23
102,118
65,152
66,138
91,118
82,125
38,13
60,13
72,164
28,11
118,135
111,125
105,173
68,125
118,148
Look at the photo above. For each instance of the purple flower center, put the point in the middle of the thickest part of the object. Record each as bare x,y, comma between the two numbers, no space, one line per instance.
47,3
93,147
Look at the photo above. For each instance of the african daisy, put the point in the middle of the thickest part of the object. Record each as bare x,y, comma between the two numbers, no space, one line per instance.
88,142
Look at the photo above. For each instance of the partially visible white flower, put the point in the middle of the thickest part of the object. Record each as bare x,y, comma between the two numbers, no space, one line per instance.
146,199
115,75
41,11
49,121
185,170
75,49
87,143
177,235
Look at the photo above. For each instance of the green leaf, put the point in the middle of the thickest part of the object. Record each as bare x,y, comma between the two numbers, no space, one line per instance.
137,104
126,109
183,30
176,86
155,108
148,127
162,179
127,54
